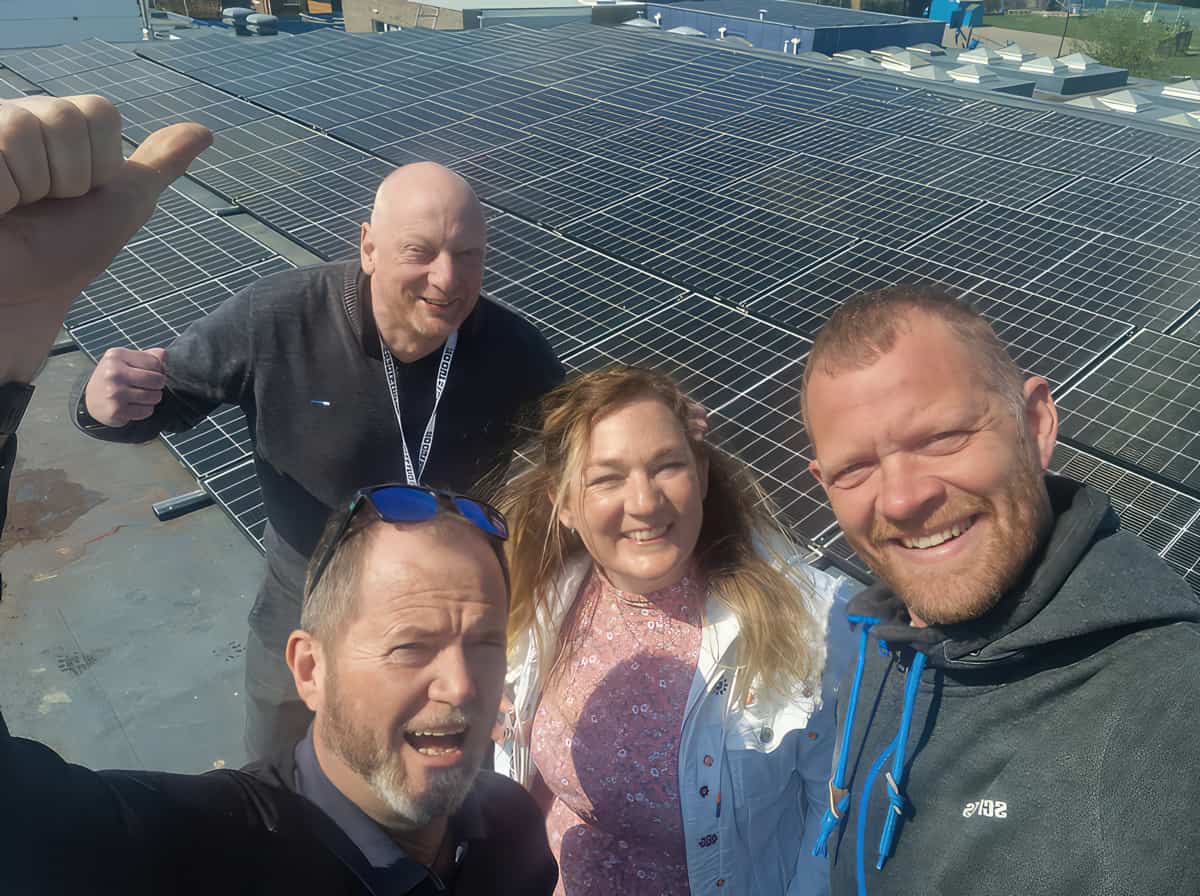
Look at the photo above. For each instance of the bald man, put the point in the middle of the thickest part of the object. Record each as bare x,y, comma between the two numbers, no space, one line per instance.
387,368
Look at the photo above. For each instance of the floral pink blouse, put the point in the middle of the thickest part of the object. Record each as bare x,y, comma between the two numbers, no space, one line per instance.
606,740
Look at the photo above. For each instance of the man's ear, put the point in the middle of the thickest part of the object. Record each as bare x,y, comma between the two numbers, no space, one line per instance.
815,468
366,249
307,660
1041,419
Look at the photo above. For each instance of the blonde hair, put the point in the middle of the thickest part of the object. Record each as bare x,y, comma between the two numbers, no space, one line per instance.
780,646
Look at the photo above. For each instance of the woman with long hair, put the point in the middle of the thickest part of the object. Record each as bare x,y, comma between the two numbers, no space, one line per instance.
667,646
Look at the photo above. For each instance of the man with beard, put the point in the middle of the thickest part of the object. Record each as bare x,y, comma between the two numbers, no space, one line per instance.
388,367
401,658
1026,700
66,829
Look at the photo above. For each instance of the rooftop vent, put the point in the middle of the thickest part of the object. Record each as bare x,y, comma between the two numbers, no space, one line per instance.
904,61
262,24
1088,102
1044,65
640,23
1015,53
852,55
928,49
236,16
979,56
1127,101
1183,119
1184,90
686,31
887,51
972,74
1078,62
929,73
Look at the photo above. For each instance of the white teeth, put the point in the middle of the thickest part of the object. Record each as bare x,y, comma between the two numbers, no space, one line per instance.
647,534
932,541
435,751
438,733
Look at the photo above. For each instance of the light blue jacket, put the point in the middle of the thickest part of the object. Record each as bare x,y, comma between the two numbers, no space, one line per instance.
769,761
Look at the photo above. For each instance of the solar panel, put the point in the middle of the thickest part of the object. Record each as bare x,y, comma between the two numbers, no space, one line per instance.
1081,128
722,249
452,143
720,159
970,173
1113,208
589,123
1142,406
574,295
1189,329
240,142
1006,245
236,491
14,87
291,165
48,63
1164,518
574,192
198,102
1172,179
1131,280
156,323
1045,338
120,83
176,250
324,214
1049,152
217,441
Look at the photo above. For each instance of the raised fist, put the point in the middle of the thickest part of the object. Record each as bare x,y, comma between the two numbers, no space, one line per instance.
126,385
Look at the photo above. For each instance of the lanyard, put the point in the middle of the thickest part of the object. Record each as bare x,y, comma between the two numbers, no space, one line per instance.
414,477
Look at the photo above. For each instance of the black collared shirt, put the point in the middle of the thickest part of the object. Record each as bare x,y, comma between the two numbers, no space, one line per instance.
385,866
299,353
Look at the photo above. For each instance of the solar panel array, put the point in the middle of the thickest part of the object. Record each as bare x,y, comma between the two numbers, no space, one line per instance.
700,209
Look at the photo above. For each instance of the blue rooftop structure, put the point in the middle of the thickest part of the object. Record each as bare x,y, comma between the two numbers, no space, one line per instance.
795,27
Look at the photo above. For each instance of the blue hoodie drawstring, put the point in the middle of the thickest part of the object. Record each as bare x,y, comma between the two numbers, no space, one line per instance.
895,779
837,784
839,796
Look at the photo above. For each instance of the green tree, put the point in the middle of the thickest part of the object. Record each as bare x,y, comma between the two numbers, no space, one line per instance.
1121,38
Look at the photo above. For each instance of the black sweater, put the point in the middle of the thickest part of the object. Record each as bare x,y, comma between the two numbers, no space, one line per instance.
67,830
1053,747
299,352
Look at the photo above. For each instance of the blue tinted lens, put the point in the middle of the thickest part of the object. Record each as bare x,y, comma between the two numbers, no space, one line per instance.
490,523
401,504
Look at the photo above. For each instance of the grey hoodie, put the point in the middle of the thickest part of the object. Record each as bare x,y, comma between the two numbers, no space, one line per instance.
1049,747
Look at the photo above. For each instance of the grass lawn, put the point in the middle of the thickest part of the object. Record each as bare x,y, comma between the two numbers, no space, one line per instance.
1082,28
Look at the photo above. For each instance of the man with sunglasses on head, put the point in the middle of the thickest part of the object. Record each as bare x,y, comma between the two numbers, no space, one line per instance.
390,367
397,738
401,658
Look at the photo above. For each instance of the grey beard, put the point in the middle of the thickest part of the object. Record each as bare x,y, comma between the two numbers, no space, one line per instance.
448,788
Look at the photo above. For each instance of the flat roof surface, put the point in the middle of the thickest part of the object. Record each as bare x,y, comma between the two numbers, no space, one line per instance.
788,12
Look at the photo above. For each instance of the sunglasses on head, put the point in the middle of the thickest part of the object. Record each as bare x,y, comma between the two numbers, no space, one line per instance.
396,503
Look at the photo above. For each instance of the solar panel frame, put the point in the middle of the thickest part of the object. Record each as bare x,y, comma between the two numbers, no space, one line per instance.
47,63
1174,179
120,83
235,490
1128,279
574,295
1141,405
